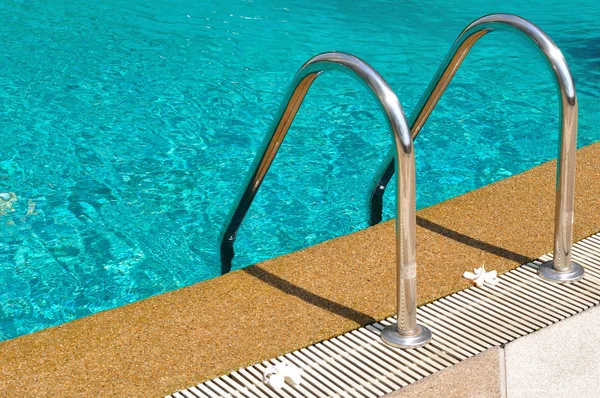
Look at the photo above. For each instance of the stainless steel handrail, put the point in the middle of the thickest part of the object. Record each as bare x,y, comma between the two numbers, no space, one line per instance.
408,333
561,269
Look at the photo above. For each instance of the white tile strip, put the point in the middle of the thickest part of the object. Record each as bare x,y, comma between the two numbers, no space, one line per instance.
359,364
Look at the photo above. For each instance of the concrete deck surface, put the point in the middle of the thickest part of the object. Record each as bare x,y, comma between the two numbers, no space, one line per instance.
560,361
476,377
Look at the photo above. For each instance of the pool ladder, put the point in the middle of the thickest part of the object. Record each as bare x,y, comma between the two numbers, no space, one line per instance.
407,333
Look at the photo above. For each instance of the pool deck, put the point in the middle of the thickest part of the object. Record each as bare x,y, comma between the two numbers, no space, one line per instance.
171,341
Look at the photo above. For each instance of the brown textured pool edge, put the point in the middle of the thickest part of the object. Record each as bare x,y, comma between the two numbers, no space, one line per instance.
174,340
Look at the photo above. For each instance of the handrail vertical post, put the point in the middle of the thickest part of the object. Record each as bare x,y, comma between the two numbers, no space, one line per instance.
561,268
406,333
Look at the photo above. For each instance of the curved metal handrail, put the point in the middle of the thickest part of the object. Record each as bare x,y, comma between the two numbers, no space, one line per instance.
563,229
411,334
293,98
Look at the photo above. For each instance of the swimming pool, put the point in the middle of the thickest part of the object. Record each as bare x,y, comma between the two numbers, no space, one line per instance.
128,126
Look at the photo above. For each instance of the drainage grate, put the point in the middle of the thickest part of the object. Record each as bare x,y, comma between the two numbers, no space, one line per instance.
358,364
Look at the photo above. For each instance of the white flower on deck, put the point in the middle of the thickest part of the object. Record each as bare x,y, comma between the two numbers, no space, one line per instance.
277,375
480,277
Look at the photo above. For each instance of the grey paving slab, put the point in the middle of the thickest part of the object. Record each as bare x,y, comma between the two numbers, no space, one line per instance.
560,361
477,377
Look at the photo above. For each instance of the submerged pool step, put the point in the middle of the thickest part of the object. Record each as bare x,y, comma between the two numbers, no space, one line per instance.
464,324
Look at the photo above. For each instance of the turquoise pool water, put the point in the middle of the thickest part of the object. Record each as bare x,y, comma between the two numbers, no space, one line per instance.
127,127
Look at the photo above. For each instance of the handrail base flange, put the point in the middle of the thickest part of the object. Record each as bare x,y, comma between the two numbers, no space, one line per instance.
548,273
390,336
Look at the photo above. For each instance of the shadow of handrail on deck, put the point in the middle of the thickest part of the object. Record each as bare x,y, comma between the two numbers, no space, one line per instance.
476,243
311,298
357,316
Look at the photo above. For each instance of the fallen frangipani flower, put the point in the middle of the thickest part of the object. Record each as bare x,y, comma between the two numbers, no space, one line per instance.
277,375
480,277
